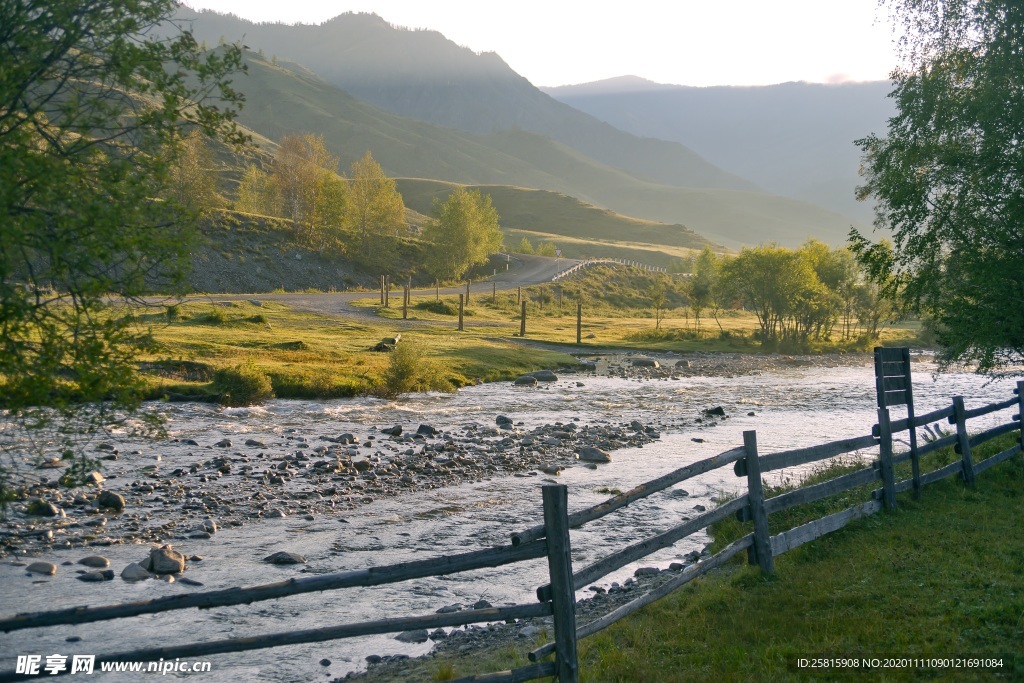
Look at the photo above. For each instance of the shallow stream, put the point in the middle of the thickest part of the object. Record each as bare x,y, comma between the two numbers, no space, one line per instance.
797,404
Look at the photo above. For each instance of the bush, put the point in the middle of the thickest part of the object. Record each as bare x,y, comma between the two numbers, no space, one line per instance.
408,371
212,317
173,312
242,385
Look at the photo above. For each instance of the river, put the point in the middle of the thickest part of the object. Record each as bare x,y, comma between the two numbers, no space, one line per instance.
789,404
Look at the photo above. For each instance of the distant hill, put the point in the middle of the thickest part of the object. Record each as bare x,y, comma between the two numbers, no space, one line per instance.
423,75
794,139
283,98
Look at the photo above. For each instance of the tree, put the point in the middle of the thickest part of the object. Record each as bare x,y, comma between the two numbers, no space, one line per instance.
258,193
524,246
947,178
548,249
463,233
375,212
193,181
703,285
94,109
659,297
312,195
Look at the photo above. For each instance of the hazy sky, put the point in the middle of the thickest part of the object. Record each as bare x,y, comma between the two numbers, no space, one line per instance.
687,42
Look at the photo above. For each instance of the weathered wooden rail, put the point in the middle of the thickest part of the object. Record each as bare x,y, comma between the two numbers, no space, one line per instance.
551,540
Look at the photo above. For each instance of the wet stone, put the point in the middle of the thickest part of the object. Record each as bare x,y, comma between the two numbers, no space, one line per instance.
95,561
46,568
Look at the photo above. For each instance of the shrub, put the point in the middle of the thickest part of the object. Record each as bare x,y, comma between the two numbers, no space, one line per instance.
242,385
408,371
173,312
214,316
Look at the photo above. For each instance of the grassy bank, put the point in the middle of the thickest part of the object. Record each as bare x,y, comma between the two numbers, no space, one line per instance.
941,577
314,356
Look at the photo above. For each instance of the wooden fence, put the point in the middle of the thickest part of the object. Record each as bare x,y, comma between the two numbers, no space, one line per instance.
551,540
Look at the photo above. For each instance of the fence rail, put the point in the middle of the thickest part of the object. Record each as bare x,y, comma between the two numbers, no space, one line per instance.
551,540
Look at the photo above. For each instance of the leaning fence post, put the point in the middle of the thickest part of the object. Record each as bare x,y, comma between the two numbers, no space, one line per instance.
963,441
885,459
762,538
563,595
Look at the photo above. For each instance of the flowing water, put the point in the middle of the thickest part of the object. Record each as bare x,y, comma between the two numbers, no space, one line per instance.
792,406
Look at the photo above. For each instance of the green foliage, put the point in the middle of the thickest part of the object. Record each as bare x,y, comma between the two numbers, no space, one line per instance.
547,249
524,247
193,176
242,385
463,233
947,178
408,370
94,112
375,213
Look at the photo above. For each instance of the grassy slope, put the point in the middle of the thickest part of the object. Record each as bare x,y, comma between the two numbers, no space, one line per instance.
941,577
281,101
555,213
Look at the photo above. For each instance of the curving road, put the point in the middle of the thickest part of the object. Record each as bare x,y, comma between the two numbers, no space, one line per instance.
523,270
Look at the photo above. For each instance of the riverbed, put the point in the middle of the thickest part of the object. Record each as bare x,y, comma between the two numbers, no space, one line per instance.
790,401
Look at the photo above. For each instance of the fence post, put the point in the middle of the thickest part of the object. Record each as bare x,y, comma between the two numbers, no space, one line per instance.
563,596
387,291
462,309
762,538
579,322
1020,410
885,459
494,293
381,290
468,283
963,442
522,320
519,295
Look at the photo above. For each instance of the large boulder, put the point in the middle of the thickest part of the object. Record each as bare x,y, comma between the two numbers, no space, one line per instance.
592,454
111,500
545,376
526,381
645,363
42,508
283,557
164,560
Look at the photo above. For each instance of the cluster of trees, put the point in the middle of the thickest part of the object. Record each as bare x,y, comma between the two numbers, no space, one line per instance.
359,215
808,294
542,248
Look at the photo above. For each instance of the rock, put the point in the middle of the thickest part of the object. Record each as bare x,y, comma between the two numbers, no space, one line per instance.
223,443
374,659
503,420
647,571
164,560
426,430
676,567
347,439
96,576
42,508
190,582
699,508
111,500
47,568
438,634
209,526
645,363
588,366
717,411
697,439
325,662
276,514
135,572
94,479
544,376
448,609
751,414
419,635
526,381
255,443
482,604
551,469
683,364
529,631
284,557
392,431
592,454
95,561
680,493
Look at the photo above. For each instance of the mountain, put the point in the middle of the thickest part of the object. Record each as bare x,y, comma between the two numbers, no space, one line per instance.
794,139
283,98
423,75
